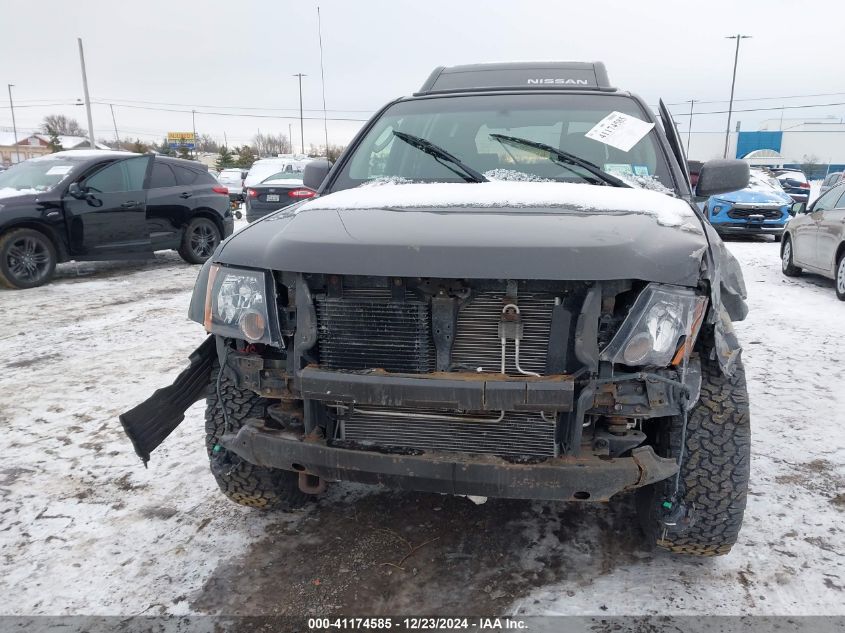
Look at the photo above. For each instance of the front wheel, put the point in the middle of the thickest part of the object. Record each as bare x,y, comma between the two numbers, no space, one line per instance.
840,277
786,264
27,259
715,470
243,482
199,240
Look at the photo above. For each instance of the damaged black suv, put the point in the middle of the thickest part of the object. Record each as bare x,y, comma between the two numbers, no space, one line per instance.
504,288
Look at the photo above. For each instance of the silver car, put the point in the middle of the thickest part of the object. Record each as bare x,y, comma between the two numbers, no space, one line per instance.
814,239
831,180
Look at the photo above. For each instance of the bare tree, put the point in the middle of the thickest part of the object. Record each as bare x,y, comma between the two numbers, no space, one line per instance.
62,125
332,152
205,143
271,144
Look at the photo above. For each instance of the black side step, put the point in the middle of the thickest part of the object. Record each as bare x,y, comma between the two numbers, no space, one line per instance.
148,424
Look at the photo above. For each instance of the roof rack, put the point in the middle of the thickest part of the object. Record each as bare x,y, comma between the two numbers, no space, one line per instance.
517,75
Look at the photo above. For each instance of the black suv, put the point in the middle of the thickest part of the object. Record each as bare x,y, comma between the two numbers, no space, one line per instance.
100,205
504,288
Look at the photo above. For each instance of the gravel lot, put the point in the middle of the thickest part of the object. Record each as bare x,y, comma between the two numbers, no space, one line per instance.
85,529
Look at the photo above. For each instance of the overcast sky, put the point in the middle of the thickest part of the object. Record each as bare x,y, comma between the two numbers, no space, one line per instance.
226,56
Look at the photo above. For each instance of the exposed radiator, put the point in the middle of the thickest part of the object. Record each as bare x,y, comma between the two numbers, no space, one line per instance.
517,434
477,342
366,330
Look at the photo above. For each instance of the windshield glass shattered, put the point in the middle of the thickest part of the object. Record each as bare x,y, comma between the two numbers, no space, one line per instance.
467,127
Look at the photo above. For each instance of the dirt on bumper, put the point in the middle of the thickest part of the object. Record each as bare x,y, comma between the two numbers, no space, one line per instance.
561,478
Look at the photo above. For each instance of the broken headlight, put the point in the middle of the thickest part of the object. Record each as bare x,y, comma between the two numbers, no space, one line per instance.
651,333
239,304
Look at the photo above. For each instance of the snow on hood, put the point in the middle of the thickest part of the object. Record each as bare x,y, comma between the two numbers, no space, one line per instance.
11,192
668,211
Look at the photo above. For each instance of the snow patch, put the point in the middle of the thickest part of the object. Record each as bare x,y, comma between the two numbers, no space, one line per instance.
495,194
11,192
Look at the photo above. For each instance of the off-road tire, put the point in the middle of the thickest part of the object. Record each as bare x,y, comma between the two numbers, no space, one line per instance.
199,240
243,482
46,254
715,469
786,258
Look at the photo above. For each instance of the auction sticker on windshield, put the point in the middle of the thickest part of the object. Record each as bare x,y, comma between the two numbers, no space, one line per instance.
59,170
619,130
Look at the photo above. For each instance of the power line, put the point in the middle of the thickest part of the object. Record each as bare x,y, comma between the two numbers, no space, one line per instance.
822,94
795,107
224,107
234,114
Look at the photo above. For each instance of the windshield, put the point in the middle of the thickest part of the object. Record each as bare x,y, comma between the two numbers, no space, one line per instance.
761,180
34,176
468,127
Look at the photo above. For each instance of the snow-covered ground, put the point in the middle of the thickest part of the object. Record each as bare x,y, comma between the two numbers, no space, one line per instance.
85,529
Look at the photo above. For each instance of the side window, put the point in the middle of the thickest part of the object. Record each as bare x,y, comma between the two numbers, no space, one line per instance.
827,200
185,176
162,176
841,203
124,175
204,178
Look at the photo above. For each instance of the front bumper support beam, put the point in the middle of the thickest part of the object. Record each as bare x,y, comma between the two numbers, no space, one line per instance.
560,478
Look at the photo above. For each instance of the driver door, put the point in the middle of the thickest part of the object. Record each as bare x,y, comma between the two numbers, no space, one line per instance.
110,219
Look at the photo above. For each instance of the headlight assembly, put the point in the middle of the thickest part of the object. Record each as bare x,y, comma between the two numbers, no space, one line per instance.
239,303
652,331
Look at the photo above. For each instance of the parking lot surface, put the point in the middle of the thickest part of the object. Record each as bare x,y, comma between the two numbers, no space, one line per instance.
86,529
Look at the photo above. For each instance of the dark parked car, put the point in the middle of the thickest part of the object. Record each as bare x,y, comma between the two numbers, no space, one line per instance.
814,240
100,205
275,192
476,305
793,182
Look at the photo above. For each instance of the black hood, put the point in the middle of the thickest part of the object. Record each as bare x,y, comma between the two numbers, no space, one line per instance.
24,199
558,243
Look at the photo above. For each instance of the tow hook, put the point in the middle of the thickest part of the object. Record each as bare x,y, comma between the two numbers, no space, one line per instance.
311,484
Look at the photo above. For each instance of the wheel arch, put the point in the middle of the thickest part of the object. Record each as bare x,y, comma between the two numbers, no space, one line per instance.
59,244
210,214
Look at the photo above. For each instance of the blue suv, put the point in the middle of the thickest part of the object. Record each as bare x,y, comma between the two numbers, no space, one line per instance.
762,208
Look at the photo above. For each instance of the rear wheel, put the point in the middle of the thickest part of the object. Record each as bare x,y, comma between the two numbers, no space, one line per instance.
200,239
778,238
27,259
789,269
840,277
714,472
243,482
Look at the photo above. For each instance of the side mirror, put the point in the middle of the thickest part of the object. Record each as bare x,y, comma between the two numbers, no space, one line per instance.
75,191
315,173
796,208
721,176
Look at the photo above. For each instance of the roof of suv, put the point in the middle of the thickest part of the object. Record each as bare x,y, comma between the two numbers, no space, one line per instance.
517,75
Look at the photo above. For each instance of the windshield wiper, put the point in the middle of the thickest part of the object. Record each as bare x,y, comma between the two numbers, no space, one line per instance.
563,157
443,157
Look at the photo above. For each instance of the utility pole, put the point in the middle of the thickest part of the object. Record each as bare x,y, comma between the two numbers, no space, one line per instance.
290,138
689,129
322,79
301,124
194,124
87,97
738,37
114,122
14,125
225,141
